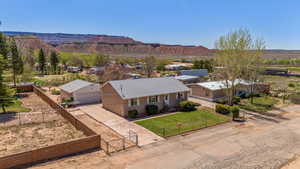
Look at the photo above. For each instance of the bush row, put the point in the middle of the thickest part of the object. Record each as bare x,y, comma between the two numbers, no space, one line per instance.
152,109
226,109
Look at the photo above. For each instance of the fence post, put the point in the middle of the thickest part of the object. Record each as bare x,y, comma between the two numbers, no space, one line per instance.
107,147
136,139
123,142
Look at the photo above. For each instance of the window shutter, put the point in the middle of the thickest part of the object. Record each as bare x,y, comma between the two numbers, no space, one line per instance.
177,95
148,100
138,101
158,97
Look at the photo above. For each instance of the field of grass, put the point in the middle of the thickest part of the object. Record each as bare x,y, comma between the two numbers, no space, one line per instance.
16,108
181,122
260,104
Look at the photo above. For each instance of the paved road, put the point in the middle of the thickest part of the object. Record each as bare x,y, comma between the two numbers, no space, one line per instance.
260,143
119,124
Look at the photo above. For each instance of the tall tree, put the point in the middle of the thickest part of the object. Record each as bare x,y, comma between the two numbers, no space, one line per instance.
234,50
15,60
42,61
3,46
150,64
54,61
101,60
6,94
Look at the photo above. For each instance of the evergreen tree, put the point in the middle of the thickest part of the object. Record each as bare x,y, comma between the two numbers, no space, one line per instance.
6,94
54,61
15,60
42,61
3,46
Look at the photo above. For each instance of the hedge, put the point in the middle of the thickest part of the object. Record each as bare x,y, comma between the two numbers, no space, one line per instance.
188,106
133,114
151,109
226,109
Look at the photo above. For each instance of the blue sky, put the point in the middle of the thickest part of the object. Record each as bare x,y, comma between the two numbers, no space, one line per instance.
189,22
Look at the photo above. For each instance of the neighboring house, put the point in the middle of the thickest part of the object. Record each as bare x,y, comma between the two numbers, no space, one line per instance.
216,90
122,96
96,69
73,69
81,92
175,67
195,72
132,76
186,79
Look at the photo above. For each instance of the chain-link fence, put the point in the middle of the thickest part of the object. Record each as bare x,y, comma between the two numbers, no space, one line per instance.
119,144
12,119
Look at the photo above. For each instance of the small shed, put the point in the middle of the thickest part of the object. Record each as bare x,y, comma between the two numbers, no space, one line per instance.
81,92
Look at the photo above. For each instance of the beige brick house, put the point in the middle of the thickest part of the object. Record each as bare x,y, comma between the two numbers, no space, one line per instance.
120,96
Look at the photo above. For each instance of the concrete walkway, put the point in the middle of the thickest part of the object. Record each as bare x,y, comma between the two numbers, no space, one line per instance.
119,124
203,102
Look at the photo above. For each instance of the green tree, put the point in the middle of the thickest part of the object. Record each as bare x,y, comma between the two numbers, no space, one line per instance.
3,46
42,61
15,61
233,52
6,94
101,60
54,61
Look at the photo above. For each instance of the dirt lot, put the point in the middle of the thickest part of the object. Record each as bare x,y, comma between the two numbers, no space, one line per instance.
41,112
21,138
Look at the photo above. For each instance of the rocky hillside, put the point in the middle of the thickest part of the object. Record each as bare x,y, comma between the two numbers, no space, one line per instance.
113,45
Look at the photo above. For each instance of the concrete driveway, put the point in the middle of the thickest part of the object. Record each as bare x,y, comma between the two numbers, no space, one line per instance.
204,103
119,124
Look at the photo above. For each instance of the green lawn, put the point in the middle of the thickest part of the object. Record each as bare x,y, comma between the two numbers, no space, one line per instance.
16,108
260,104
168,125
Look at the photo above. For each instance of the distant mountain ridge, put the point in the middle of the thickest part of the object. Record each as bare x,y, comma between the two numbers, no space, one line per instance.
120,45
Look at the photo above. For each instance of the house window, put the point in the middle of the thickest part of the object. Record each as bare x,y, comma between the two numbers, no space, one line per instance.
153,99
166,99
133,102
180,96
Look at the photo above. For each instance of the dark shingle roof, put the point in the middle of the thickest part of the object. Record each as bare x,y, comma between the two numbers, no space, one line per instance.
128,89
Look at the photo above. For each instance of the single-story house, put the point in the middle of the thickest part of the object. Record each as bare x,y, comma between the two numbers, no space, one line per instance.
132,76
175,67
81,92
96,69
195,72
216,90
121,96
186,79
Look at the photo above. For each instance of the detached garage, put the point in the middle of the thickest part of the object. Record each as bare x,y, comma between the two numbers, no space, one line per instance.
81,92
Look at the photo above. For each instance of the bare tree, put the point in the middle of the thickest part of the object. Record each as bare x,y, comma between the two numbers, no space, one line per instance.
150,64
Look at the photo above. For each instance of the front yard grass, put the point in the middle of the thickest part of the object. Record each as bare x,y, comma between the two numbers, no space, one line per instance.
182,121
260,104
16,108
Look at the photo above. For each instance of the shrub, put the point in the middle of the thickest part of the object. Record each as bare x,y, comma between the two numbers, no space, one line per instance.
221,101
133,114
295,98
151,109
235,110
55,92
188,106
223,109
292,85
245,95
236,100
